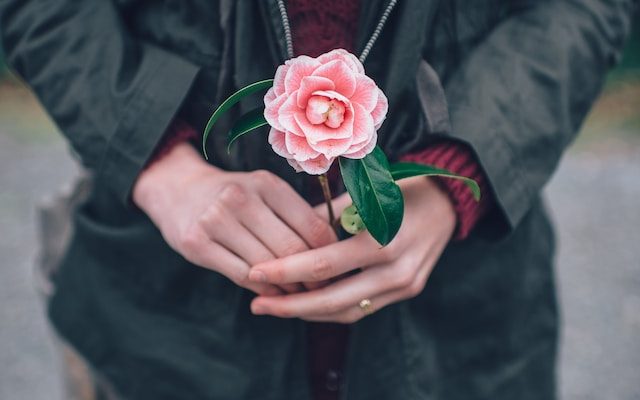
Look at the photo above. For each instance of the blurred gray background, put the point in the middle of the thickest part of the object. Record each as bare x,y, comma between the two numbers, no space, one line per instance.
594,197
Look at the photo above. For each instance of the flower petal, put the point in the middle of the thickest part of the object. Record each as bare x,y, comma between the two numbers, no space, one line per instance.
310,84
366,93
332,147
299,67
332,94
379,113
341,75
368,148
286,114
316,166
341,54
295,165
299,147
363,129
278,79
272,108
269,96
317,133
277,142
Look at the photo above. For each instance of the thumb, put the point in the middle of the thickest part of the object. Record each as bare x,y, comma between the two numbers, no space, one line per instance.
339,204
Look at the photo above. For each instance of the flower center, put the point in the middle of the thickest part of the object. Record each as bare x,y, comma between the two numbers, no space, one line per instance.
323,110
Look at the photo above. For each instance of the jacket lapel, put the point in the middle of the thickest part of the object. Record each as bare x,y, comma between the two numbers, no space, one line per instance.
370,12
275,30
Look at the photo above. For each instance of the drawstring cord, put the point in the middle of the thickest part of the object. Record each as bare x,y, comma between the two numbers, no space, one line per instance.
367,48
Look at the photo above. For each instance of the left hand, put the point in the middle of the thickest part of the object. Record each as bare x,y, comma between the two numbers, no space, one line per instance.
389,274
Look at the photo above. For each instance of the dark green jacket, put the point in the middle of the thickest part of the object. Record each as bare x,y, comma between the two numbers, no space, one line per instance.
519,76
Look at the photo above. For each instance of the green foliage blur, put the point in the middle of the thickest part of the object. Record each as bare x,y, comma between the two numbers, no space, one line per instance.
631,57
630,63
3,66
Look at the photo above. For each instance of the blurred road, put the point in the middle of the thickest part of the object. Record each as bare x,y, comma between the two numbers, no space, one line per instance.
594,197
28,171
595,200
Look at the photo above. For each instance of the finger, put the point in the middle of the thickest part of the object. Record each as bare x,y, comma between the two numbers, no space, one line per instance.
404,288
338,203
229,233
213,256
279,239
298,214
329,300
321,264
355,313
277,236
235,237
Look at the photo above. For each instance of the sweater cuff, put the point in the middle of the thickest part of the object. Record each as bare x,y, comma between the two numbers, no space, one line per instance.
457,158
178,132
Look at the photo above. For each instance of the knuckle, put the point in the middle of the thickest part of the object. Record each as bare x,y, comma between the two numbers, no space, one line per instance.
318,229
262,255
402,280
415,288
264,178
389,253
330,306
190,241
232,194
240,278
389,276
322,269
293,245
212,216
277,274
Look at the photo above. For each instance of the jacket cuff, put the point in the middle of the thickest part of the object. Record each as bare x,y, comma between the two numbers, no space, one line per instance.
178,132
457,158
146,119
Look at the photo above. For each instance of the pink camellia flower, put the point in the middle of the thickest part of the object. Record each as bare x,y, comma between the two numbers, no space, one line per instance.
322,108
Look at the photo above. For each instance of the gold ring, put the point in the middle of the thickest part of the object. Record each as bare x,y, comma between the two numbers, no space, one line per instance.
366,306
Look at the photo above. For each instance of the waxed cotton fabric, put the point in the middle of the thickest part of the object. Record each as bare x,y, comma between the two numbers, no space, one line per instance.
513,79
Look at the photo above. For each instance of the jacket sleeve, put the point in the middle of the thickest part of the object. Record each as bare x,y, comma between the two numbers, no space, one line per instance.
520,96
112,94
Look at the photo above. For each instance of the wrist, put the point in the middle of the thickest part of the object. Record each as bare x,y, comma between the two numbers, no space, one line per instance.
180,163
458,158
429,202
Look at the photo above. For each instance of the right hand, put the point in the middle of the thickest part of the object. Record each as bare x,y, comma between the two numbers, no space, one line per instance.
228,221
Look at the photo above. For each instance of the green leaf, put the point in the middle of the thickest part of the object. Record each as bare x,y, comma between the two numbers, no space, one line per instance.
230,102
248,122
351,221
403,170
375,194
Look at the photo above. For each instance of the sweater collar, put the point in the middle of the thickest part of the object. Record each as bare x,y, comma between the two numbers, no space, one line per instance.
370,12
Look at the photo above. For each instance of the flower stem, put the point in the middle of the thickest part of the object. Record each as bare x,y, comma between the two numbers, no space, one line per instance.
326,192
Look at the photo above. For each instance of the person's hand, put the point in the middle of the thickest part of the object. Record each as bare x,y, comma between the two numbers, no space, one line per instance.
389,274
227,221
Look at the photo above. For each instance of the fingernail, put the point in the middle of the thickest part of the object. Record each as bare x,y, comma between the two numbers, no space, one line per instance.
257,276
